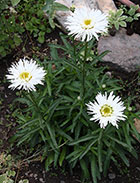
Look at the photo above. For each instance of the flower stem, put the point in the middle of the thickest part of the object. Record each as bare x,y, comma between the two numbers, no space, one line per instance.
83,70
37,109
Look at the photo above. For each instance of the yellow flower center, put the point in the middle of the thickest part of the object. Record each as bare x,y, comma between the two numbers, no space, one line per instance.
25,76
106,110
87,22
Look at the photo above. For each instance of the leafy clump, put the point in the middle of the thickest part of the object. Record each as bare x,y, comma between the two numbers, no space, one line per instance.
117,19
7,175
56,119
131,13
122,16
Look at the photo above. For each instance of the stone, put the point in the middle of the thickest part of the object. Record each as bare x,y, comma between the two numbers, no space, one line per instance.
111,176
62,181
137,124
124,50
104,5
41,180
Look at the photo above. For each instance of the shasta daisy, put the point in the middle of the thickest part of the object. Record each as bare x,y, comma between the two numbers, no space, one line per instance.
25,75
85,23
107,109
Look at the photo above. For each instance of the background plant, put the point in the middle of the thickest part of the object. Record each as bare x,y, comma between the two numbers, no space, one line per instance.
122,16
117,19
4,5
50,8
33,18
131,13
25,20
56,120
7,174
10,32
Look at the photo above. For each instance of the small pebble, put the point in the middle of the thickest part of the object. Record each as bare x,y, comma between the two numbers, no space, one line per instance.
111,175
41,180
62,181
35,175
31,175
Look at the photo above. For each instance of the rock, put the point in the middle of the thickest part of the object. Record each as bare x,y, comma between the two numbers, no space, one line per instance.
124,50
62,181
137,124
103,5
41,180
111,176
106,5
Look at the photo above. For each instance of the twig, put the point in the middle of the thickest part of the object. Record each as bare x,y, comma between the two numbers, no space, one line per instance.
19,165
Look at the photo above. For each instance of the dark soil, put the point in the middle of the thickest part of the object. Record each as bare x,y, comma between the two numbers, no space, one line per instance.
34,170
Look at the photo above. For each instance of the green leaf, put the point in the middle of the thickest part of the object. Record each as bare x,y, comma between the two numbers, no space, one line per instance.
137,15
17,40
123,24
122,18
62,156
15,2
131,12
53,136
93,169
118,141
66,43
60,7
41,39
107,161
25,137
63,134
119,13
99,150
3,177
117,25
49,161
1,49
49,87
51,22
129,19
122,156
82,139
27,123
87,148
84,168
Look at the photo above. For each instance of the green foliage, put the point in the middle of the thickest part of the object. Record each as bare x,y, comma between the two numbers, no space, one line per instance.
33,18
122,16
26,17
10,32
15,2
117,19
131,13
7,174
4,5
56,119
50,8
6,161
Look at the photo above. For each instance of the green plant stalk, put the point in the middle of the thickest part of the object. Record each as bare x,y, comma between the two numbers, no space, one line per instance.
37,110
83,70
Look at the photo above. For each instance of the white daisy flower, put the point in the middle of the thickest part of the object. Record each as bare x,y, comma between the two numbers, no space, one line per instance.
107,110
86,23
25,75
